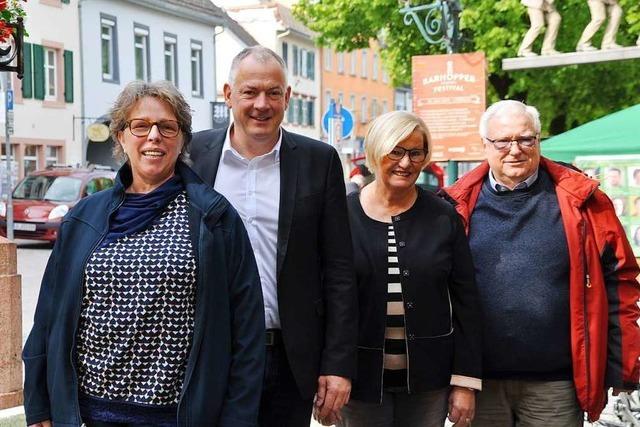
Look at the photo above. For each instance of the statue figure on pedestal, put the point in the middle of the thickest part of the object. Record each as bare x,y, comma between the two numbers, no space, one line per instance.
598,9
539,10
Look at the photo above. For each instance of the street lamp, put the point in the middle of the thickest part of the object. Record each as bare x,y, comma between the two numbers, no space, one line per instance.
440,25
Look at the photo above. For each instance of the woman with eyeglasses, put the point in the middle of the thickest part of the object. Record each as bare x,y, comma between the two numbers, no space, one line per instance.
419,325
150,310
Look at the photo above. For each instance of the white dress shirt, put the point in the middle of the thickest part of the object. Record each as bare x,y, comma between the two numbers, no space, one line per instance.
253,188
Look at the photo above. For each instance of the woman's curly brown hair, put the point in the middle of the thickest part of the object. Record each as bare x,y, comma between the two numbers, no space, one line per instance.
137,90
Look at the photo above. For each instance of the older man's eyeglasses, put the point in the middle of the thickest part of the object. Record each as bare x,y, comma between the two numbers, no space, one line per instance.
521,141
416,155
142,127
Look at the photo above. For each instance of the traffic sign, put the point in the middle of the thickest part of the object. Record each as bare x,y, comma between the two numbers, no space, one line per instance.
9,99
336,111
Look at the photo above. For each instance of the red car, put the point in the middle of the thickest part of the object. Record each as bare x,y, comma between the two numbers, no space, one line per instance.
42,198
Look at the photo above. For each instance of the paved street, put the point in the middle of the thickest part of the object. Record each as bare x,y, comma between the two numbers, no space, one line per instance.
32,260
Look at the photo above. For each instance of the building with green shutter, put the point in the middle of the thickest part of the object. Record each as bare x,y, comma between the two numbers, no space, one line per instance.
46,100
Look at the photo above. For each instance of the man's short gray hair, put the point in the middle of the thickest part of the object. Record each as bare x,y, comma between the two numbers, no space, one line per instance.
510,106
259,53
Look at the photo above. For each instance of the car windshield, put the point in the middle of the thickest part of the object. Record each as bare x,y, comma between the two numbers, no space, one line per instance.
55,188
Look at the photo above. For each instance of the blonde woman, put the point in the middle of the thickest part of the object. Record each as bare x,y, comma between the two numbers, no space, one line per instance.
419,328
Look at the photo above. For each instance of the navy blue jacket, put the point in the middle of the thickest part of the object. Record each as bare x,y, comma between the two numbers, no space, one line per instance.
223,379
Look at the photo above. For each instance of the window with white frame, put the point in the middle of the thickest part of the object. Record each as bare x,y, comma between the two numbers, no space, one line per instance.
30,159
141,52
296,113
3,150
311,65
399,100
51,155
385,107
328,59
311,112
302,66
196,69
374,67
285,53
306,63
340,57
354,60
352,103
300,119
385,77
108,48
340,98
363,110
374,109
171,58
305,112
327,100
50,78
363,70
290,110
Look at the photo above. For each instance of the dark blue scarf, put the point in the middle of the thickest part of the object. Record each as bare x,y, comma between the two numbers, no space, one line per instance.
138,211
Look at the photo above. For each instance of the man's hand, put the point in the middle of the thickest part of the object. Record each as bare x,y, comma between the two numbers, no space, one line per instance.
462,406
333,393
330,420
46,423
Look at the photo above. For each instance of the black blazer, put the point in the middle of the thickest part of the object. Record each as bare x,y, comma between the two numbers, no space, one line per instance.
317,297
442,314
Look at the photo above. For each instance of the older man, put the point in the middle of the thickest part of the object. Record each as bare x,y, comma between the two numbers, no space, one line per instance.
556,278
289,191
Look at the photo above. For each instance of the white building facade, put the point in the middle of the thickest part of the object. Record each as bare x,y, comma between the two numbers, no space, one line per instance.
126,40
48,98
230,40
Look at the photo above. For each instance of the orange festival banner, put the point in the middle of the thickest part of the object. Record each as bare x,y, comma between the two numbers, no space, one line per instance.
449,94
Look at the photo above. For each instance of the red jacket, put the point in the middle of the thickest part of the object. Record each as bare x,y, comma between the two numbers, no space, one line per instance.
603,294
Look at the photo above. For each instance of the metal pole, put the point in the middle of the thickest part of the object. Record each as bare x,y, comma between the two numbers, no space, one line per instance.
452,172
8,99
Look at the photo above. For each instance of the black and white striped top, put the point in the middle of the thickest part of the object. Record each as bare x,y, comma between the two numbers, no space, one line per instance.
395,346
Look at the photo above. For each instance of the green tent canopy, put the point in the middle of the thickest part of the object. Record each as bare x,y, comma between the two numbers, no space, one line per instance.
617,133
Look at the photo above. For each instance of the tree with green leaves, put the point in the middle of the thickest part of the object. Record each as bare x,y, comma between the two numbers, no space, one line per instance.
566,96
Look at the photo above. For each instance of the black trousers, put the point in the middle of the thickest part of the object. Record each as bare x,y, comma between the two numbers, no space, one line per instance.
281,404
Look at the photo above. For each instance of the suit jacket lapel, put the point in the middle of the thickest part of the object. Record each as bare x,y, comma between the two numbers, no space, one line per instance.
288,185
209,172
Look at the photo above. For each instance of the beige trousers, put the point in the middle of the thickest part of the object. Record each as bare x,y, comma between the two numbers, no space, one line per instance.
598,9
536,17
520,403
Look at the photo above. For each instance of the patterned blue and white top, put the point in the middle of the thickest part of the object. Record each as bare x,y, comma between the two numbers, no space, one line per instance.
137,318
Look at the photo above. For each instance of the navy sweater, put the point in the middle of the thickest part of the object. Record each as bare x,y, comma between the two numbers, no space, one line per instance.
522,271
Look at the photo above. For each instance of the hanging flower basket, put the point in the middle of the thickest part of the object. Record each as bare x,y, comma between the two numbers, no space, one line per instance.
11,36
10,11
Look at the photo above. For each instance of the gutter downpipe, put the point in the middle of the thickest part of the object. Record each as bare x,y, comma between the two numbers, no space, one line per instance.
83,143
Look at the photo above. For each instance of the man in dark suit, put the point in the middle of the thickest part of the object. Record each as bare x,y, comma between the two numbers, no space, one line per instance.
289,191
